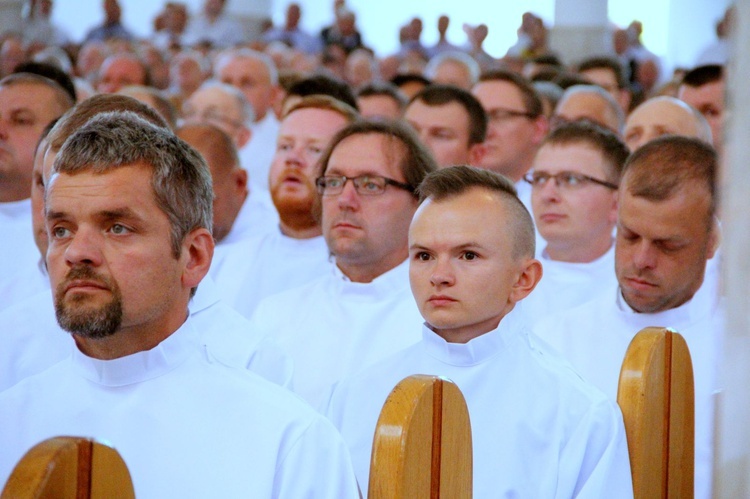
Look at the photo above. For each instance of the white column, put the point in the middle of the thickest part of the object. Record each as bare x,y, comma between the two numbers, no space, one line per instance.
580,30
732,461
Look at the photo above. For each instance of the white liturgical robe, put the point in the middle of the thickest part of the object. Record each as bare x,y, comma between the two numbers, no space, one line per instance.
566,285
332,327
18,252
33,341
538,430
257,155
595,336
249,271
254,219
186,424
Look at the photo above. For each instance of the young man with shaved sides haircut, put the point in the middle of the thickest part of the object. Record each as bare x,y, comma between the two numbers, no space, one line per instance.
450,122
360,311
297,246
471,262
574,183
666,231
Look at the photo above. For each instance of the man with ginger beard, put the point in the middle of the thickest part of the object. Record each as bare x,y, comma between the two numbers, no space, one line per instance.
361,310
297,247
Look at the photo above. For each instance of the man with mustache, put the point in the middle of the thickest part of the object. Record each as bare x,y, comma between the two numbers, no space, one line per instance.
243,270
538,430
362,310
128,216
34,341
666,231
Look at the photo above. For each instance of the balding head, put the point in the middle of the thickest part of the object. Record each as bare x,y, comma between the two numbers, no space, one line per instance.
591,103
229,180
664,116
121,70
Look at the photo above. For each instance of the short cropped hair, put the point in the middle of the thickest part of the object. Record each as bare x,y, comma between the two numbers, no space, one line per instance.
325,102
162,105
62,97
456,180
664,165
605,142
75,118
49,71
218,144
471,65
703,75
531,100
324,85
605,63
414,166
386,89
181,179
440,95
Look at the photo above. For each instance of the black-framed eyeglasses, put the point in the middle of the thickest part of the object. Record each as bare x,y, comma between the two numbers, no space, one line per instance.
566,180
501,114
365,185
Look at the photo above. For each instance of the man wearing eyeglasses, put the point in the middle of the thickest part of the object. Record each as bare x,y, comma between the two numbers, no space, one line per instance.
363,310
516,126
574,197
227,108
666,231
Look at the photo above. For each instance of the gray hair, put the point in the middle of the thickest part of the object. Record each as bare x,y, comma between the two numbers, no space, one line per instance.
472,66
180,179
614,107
245,53
246,109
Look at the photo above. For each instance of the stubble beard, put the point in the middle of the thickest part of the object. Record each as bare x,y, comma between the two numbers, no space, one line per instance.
75,317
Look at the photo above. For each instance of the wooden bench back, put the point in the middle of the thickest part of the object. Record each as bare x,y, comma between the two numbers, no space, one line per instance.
657,400
422,443
70,468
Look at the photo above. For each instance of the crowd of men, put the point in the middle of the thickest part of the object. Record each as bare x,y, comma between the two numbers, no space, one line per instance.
221,254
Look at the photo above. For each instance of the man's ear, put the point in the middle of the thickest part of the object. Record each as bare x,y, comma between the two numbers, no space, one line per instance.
476,153
528,278
613,211
541,127
243,136
198,251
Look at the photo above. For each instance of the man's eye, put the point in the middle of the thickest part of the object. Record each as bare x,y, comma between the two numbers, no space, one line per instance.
371,186
119,229
571,179
315,149
422,256
60,232
333,182
470,255
283,147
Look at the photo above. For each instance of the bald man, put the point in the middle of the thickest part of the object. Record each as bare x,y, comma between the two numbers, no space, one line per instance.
664,116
